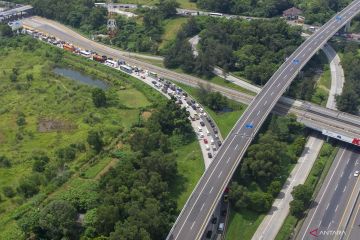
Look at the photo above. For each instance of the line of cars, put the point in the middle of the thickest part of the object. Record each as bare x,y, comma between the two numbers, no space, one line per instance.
206,130
167,87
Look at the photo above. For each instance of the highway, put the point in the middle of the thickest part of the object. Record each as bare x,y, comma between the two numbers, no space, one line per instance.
312,115
202,202
330,208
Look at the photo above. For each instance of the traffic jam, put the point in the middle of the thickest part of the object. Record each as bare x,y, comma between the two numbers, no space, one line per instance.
205,128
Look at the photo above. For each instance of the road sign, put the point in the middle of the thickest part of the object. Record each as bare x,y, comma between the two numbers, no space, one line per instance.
249,125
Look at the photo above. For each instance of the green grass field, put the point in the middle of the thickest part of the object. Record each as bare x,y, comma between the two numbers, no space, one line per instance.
55,98
322,88
171,28
242,225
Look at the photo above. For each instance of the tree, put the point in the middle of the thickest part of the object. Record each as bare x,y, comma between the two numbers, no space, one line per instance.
8,191
4,162
5,30
303,193
58,220
99,97
27,187
95,140
274,188
168,8
297,208
20,121
348,101
67,153
259,201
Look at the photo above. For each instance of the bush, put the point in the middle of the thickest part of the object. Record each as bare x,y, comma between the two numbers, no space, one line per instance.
8,191
4,162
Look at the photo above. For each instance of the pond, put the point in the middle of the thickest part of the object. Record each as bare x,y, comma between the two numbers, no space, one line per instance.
79,77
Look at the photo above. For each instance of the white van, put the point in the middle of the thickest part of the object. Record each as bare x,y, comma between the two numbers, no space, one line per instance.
212,141
199,129
201,135
207,132
207,147
221,227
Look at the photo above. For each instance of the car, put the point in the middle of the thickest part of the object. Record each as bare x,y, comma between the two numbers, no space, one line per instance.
219,143
214,220
154,82
226,198
216,131
201,110
223,213
216,136
185,94
209,155
207,147
206,141
192,101
193,107
202,123
212,124
221,227
209,234
356,173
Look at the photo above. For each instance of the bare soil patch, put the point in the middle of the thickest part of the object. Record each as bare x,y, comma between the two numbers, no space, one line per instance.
51,125
146,115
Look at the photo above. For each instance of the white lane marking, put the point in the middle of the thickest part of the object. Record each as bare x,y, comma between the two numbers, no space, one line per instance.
325,191
240,127
211,189
236,146
272,93
285,76
327,206
344,189
265,103
202,206
336,207
192,225
279,84
336,186
220,174
227,161
258,113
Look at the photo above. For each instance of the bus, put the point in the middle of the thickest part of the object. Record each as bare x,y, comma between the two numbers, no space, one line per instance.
216,14
111,63
126,69
152,74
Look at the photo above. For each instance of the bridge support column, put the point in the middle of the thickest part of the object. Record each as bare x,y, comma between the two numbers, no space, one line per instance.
347,27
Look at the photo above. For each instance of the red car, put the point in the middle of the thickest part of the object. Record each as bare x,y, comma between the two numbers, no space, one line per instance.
205,141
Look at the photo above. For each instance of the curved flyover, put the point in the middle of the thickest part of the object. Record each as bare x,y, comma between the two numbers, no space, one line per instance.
197,211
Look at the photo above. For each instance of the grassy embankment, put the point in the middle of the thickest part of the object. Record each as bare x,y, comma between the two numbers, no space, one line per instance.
46,97
315,180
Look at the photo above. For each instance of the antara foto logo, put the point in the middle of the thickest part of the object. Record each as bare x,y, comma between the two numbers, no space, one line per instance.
314,232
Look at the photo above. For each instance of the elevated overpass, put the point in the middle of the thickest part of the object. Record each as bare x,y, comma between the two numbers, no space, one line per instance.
15,13
191,223
311,115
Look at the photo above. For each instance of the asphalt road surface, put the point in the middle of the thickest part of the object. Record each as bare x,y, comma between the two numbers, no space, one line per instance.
313,116
196,214
329,208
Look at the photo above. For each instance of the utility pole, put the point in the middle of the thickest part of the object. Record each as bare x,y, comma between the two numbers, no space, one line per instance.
111,22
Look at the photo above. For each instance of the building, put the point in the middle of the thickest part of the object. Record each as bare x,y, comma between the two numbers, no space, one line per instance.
292,13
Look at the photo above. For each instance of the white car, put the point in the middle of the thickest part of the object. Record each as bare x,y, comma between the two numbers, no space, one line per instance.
356,173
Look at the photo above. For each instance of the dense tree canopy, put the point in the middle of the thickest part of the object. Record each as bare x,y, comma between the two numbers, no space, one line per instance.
255,48
349,100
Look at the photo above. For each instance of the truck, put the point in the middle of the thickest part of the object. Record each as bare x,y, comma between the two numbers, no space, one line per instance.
68,47
99,58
